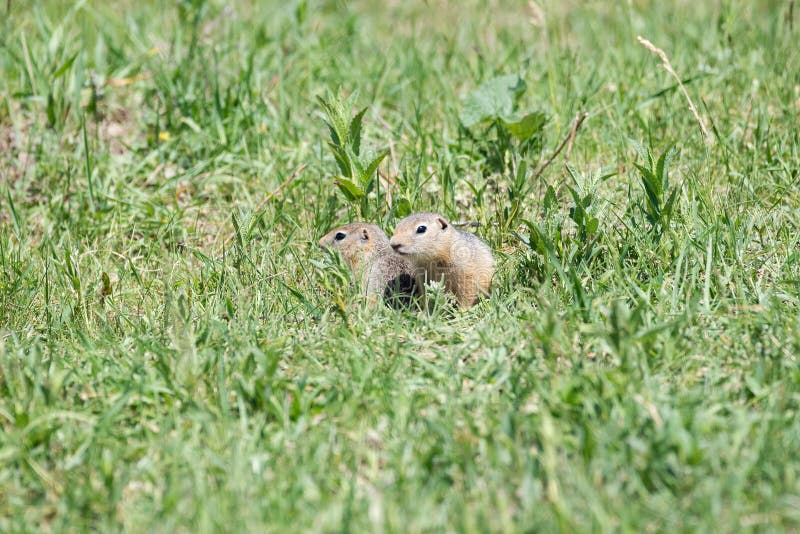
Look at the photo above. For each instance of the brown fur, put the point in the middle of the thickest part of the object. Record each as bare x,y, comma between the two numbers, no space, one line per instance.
459,259
365,249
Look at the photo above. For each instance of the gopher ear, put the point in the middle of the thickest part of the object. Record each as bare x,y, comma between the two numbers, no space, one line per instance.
442,222
364,234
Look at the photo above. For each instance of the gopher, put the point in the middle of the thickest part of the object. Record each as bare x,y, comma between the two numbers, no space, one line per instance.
440,252
365,249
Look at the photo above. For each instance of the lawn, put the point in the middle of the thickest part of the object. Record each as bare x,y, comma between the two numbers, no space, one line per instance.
177,354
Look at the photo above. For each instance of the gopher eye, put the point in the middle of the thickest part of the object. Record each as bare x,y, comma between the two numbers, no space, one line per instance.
421,229
339,236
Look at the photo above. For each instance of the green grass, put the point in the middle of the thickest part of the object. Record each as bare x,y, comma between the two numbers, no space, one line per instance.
635,368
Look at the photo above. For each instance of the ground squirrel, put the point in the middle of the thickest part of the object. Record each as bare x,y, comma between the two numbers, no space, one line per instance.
365,249
438,251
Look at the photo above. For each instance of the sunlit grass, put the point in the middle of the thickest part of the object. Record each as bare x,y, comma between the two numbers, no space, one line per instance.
177,354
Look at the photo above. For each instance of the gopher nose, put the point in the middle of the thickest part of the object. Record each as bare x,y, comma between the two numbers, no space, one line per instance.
395,246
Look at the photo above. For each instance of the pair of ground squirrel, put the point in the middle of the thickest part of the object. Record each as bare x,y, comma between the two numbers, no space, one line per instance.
425,246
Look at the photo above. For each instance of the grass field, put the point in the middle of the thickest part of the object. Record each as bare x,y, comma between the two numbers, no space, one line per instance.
176,354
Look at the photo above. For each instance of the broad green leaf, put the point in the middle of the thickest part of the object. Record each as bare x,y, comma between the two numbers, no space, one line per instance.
342,159
577,214
331,117
526,127
356,165
537,241
402,207
492,99
373,166
351,191
337,111
335,141
354,132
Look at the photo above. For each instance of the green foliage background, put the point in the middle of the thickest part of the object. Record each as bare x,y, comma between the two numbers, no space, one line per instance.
176,353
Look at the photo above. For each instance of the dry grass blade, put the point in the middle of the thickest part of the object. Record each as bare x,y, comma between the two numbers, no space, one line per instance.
569,139
668,66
